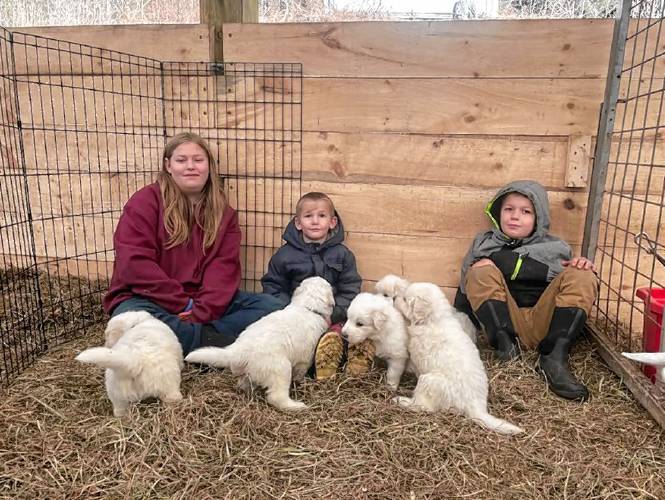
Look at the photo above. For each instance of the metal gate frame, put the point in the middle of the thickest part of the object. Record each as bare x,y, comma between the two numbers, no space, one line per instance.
652,397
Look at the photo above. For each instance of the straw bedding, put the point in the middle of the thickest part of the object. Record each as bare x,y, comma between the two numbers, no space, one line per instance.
58,438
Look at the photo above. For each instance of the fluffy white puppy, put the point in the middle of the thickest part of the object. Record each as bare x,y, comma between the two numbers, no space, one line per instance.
391,286
279,346
656,359
142,357
451,375
372,317
394,288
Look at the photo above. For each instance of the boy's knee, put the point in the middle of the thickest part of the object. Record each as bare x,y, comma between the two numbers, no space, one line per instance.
483,276
580,289
582,278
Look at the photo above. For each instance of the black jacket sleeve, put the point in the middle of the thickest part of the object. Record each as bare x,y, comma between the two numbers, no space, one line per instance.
275,281
347,287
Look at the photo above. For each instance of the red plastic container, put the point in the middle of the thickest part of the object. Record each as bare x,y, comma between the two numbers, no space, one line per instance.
654,300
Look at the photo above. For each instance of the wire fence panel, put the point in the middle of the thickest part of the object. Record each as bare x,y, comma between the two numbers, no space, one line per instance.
630,245
21,336
83,128
251,115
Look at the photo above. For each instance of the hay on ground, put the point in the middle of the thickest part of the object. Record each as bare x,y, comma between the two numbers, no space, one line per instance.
58,438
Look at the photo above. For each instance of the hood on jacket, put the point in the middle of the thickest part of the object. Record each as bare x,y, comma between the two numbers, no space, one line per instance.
538,196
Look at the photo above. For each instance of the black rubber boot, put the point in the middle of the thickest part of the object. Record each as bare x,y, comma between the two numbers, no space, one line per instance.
210,337
567,323
495,319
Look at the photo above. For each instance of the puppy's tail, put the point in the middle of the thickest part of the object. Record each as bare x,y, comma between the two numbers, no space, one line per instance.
495,424
650,358
219,357
109,358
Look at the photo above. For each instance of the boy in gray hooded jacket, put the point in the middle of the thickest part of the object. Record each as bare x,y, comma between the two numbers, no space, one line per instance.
521,282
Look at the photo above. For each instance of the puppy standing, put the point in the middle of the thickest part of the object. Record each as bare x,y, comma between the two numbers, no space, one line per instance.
279,346
375,318
142,357
451,375
394,288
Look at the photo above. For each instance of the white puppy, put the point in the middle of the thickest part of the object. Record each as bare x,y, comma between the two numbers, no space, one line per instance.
451,375
279,346
372,317
142,357
394,287
655,359
391,286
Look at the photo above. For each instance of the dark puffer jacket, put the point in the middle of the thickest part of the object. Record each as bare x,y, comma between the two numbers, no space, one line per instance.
330,260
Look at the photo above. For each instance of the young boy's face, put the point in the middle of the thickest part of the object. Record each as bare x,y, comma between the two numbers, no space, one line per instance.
518,218
315,220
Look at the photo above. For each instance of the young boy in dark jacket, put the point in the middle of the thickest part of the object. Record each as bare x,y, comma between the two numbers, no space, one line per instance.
314,248
521,282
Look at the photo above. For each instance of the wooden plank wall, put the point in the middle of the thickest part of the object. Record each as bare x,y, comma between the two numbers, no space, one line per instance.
411,127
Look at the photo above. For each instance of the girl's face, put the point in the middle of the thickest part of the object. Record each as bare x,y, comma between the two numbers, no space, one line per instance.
189,168
518,217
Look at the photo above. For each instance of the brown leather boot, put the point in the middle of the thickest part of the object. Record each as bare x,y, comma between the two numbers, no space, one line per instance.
328,356
360,358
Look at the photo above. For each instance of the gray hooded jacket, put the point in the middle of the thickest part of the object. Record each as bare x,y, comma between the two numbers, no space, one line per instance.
536,258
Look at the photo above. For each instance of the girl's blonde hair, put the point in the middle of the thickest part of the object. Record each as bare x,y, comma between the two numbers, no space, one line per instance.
179,213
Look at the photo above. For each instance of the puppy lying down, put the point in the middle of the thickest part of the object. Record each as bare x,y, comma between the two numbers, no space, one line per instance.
451,375
279,347
142,357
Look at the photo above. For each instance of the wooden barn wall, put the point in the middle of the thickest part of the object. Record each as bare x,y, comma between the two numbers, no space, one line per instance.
410,127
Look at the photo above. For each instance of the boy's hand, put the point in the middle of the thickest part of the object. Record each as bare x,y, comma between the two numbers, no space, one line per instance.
579,263
483,262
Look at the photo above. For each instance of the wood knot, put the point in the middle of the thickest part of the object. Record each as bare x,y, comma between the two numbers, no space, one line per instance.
338,169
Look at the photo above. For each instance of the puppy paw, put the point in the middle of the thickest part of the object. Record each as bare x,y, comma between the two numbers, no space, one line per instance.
120,412
173,397
292,406
402,401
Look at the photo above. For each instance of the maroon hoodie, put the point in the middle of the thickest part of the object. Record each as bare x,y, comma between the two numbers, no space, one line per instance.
170,277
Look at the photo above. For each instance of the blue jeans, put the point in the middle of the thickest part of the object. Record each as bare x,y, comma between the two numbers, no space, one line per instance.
244,309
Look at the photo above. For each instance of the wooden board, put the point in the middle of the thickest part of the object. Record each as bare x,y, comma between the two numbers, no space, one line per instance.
475,49
159,42
409,210
451,160
385,158
417,105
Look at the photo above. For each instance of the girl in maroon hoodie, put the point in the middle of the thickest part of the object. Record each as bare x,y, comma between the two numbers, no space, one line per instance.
177,247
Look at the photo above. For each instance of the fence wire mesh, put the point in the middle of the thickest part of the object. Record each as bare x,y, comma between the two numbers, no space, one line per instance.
82,129
630,240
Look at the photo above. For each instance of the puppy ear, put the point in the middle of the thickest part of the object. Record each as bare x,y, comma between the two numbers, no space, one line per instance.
379,319
113,332
420,309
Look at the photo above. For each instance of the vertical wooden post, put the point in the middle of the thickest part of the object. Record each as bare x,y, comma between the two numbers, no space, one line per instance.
215,13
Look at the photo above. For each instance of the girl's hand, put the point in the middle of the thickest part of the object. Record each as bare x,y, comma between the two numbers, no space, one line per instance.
580,263
186,315
483,262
